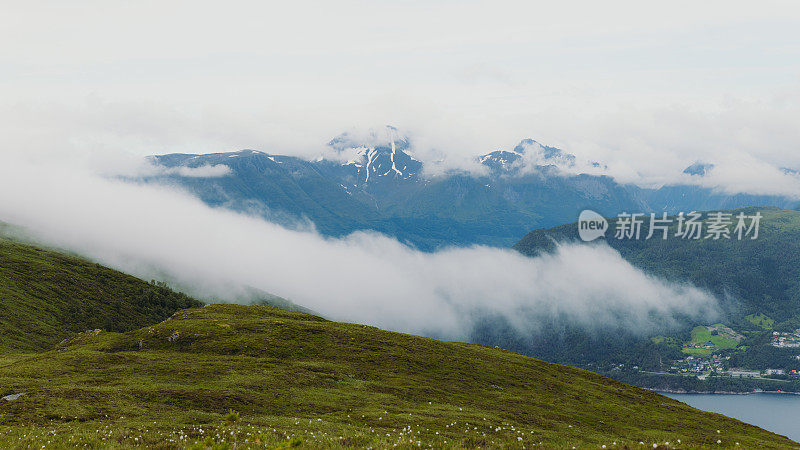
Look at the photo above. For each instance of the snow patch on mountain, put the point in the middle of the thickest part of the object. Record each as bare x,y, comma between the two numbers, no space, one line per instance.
376,154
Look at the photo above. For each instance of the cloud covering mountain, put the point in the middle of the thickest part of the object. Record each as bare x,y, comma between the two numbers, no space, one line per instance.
153,231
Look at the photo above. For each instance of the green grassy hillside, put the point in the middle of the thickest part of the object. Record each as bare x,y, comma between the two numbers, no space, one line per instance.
299,379
46,296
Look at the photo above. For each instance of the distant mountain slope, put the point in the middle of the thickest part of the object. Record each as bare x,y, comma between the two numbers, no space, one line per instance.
686,198
281,188
292,375
756,281
750,276
375,183
46,296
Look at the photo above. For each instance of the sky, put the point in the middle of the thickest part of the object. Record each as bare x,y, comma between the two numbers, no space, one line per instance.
645,87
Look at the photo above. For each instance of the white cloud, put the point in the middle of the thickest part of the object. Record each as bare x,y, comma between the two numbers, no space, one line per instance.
206,171
152,231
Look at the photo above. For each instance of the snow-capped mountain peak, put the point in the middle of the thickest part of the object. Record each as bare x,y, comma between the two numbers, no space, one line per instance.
376,154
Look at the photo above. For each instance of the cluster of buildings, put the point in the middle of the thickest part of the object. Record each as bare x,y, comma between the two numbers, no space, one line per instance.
745,373
785,339
717,364
700,364
704,345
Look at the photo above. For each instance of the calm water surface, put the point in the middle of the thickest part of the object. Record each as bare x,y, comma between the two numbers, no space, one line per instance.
779,413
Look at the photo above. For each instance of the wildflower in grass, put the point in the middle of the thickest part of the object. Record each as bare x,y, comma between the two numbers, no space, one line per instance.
233,418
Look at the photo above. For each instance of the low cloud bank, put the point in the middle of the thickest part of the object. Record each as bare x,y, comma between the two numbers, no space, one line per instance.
207,171
154,231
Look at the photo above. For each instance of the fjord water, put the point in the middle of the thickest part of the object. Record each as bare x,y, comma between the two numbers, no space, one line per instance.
779,413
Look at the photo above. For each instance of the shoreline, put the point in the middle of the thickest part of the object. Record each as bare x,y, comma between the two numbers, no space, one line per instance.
681,391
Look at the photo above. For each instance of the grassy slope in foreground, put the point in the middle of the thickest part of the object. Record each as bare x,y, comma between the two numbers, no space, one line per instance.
294,375
46,296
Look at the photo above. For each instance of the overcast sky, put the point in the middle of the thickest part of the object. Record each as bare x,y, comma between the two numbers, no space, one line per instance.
646,87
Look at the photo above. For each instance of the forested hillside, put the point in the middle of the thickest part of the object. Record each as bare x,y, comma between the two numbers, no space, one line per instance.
46,296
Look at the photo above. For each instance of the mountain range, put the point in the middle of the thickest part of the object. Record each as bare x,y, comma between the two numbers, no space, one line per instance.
376,183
